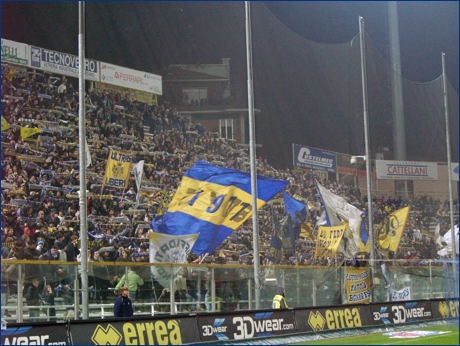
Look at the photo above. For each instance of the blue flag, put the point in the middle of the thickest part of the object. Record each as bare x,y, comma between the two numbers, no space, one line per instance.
213,201
298,212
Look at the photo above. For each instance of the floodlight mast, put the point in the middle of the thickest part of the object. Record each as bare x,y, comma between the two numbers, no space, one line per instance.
449,170
82,161
252,152
370,214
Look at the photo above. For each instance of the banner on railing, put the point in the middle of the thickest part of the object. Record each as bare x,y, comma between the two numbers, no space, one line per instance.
358,285
404,294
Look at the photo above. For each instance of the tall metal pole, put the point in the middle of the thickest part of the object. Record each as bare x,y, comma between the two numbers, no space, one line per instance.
370,212
449,170
252,156
82,161
399,132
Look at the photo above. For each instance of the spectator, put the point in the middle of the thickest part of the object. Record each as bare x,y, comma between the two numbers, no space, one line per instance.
33,300
49,302
123,306
135,281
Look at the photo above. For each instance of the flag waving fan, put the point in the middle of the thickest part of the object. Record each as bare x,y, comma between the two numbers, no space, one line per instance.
213,201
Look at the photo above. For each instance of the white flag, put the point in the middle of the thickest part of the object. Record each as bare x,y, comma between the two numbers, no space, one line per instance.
137,171
165,248
338,210
88,154
336,207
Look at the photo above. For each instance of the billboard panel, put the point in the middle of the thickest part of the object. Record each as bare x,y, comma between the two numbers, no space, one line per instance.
406,170
313,158
168,331
37,334
246,326
332,318
132,79
401,312
63,63
444,308
15,52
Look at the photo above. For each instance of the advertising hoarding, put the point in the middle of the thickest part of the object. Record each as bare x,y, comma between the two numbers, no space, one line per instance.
63,63
313,158
332,318
244,326
406,170
37,334
170,331
15,52
132,79
400,312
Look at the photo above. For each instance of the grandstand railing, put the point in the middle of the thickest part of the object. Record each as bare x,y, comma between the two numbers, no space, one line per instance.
226,287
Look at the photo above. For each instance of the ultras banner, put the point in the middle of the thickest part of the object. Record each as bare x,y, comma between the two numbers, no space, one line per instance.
117,169
358,285
246,326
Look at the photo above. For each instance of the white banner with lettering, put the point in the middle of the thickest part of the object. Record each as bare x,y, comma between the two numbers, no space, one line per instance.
404,294
133,79
15,52
406,170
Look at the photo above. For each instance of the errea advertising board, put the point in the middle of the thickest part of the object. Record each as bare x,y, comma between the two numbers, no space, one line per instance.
63,63
406,170
15,52
132,79
313,158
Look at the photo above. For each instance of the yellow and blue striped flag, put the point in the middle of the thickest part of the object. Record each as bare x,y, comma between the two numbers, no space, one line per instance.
213,201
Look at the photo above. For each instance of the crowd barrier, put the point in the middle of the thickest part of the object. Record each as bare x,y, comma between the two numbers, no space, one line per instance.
215,327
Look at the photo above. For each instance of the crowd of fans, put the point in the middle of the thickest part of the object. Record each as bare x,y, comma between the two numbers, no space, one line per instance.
40,182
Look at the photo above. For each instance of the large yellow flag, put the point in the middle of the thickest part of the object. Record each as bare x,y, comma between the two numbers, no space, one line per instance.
26,132
329,239
117,169
390,231
5,125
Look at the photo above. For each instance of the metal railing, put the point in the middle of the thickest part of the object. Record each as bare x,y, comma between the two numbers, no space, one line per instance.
218,287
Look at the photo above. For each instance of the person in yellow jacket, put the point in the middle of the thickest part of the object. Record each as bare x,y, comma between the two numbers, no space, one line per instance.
279,301
134,282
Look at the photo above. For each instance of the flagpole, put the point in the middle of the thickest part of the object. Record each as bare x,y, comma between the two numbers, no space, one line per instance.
449,170
255,225
370,213
82,143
